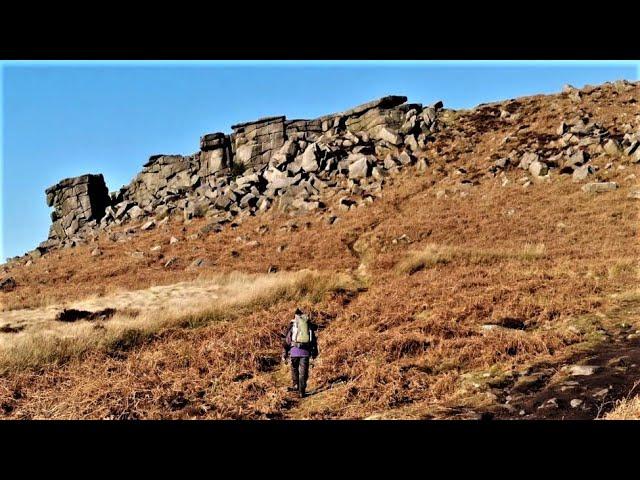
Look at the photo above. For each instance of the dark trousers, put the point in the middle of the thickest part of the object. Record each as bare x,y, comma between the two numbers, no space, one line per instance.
300,373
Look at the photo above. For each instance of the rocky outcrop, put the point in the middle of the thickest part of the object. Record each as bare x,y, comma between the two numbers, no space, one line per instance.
267,162
78,203
344,158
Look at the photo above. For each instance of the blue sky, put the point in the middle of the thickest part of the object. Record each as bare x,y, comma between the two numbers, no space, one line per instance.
65,119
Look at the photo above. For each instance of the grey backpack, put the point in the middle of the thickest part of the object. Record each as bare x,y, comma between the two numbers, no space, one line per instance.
301,333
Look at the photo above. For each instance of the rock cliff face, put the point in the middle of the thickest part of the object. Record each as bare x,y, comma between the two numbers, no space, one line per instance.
266,162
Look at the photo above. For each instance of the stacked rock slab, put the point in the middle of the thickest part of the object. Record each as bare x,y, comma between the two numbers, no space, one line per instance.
215,154
162,176
252,143
76,201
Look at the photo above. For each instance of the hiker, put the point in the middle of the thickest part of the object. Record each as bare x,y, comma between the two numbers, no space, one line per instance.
301,345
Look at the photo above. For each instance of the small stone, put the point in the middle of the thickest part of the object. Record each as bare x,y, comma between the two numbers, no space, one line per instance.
583,370
173,240
148,225
601,393
96,252
634,194
551,403
575,403
198,263
156,248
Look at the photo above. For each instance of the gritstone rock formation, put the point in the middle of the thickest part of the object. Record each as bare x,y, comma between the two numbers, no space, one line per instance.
263,162
295,165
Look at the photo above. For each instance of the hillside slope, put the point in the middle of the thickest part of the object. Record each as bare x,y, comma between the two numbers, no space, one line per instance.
474,286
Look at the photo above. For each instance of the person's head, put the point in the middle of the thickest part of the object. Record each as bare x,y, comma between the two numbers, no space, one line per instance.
298,312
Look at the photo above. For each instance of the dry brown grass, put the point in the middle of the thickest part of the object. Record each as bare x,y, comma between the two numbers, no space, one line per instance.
409,346
57,343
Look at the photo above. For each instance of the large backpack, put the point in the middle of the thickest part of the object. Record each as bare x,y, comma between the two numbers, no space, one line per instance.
301,334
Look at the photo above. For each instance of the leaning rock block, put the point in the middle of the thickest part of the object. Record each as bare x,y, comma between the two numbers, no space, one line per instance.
77,201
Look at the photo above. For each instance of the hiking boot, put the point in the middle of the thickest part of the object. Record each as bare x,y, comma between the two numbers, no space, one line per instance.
302,394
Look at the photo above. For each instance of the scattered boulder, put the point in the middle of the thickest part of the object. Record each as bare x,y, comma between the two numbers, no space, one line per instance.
309,161
581,173
360,167
599,187
135,212
527,159
389,136
611,147
538,169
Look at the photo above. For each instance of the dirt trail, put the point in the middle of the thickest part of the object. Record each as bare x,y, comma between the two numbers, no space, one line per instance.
566,394
588,385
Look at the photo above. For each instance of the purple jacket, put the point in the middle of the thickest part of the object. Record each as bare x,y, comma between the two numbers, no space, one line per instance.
310,350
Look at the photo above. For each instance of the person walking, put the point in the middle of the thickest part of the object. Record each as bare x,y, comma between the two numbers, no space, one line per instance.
300,345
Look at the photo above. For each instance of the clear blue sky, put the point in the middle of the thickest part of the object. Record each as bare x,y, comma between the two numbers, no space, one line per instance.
65,119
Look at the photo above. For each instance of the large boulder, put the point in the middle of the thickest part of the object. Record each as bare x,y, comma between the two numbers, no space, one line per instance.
538,169
309,161
360,166
77,201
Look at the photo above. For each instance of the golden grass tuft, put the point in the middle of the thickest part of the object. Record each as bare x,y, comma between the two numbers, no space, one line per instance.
433,255
627,408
